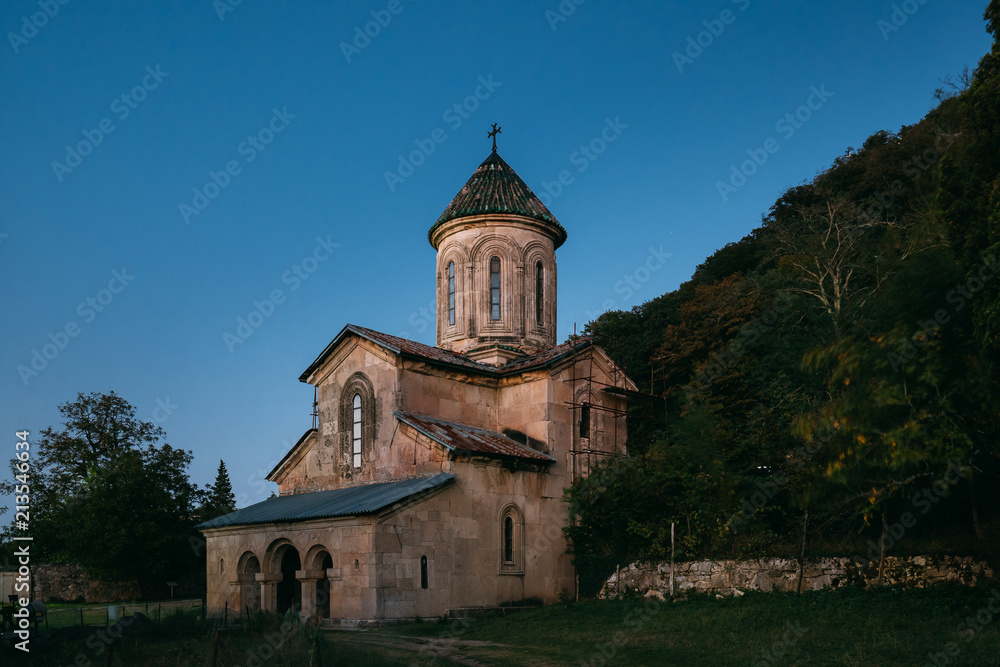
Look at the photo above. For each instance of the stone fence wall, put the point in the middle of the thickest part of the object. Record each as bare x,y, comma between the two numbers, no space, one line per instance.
730,577
70,583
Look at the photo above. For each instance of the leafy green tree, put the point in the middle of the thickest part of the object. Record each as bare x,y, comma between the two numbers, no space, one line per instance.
108,496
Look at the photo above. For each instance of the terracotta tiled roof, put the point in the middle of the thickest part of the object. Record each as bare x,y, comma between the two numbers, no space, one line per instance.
432,354
496,188
465,439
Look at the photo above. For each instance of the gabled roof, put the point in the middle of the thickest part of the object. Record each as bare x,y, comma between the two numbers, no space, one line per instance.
463,439
350,501
288,454
436,355
496,188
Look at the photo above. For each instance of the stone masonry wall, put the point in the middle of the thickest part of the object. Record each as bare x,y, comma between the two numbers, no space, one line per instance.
730,577
70,583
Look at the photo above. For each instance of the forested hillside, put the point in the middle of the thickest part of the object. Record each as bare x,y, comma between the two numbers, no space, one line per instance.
833,373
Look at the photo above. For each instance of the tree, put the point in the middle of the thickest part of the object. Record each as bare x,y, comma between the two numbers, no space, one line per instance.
219,498
826,246
107,496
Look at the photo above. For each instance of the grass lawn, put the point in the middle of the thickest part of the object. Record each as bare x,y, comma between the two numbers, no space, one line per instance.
848,627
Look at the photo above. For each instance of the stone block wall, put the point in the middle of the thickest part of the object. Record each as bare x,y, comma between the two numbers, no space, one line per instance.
69,582
728,577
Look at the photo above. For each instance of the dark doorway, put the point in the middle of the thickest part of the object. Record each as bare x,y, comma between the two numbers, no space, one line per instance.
323,589
289,588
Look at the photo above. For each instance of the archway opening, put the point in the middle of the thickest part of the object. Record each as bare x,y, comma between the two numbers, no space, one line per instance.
323,588
249,587
289,588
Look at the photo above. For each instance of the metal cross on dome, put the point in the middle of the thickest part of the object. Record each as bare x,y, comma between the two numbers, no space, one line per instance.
493,134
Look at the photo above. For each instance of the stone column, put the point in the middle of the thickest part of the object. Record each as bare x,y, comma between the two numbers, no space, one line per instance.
308,579
470,304
518,302
336,601
268,590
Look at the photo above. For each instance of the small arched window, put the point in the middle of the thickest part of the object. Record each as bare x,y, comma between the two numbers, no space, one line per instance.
451,292
423,571
508,540
511,541
494,288
539,293
585,420
356,433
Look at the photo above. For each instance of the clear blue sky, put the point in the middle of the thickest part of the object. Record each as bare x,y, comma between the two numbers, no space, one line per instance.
308,129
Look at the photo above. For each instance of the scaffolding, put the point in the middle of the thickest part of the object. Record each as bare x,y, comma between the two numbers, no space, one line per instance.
582,450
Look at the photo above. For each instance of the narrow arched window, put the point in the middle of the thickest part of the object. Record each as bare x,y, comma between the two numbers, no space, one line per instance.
356,434
495,288
423,571
451,292
508,540
511,542
585,420
539,293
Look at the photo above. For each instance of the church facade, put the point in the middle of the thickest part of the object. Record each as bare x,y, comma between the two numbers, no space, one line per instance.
433,479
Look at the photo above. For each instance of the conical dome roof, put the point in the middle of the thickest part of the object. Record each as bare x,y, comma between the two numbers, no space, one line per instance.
496,188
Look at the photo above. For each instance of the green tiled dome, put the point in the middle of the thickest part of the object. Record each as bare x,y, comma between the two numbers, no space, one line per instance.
495,188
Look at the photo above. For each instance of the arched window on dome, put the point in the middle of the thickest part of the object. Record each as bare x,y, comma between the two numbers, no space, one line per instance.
495,288
539,294
451,292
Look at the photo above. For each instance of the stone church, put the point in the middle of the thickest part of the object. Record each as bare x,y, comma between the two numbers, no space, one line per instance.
433,478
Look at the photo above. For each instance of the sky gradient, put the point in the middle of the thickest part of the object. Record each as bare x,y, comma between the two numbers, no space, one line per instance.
169,170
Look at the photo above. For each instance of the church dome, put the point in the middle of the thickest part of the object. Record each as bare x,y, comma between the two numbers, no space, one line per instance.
495,188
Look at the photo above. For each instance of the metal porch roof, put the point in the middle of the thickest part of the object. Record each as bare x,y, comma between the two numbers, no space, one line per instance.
322,504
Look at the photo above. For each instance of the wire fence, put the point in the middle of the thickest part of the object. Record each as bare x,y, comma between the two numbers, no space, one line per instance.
63,617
